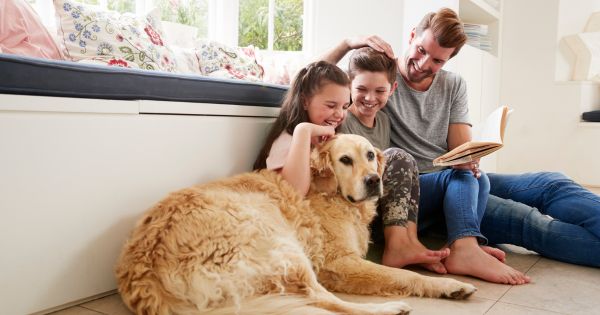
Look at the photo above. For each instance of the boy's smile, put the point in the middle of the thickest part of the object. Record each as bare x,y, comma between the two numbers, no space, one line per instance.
370,93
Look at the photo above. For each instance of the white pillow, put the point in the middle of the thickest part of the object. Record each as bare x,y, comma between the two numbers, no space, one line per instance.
89,32
240,62
179,34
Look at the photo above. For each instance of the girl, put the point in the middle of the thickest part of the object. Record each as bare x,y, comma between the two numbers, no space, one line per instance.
314,106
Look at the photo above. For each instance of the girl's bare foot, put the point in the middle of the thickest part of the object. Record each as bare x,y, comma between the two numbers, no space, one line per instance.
468,258
402,248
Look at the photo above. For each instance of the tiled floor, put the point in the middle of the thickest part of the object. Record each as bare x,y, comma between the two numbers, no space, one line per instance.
557,288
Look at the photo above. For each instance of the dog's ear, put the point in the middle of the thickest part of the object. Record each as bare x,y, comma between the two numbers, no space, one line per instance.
322,175
380,161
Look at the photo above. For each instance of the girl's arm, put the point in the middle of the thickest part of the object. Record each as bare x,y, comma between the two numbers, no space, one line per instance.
296,169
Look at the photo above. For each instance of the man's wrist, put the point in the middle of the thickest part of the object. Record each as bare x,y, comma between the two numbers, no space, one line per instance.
346,45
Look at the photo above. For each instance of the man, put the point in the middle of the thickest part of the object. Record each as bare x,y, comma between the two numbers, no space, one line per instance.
424,91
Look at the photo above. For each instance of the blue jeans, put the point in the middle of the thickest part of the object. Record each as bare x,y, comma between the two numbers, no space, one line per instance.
544,212
455,197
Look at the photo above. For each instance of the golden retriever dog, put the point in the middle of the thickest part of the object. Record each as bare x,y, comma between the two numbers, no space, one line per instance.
250,244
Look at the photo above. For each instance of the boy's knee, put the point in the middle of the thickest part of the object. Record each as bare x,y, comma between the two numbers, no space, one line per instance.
401,157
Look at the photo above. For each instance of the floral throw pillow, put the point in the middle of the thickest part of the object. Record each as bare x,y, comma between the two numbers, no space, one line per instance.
122,39
239,62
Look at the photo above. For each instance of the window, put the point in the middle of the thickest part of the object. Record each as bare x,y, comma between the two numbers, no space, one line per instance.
275,25
188,12
271,24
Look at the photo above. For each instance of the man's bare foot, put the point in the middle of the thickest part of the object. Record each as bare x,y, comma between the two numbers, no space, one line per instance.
468,258
414,254
402,248
496,252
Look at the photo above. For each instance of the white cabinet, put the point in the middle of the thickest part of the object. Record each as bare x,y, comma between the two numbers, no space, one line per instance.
76,178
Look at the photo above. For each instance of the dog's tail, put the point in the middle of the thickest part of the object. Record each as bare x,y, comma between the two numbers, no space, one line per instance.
273,305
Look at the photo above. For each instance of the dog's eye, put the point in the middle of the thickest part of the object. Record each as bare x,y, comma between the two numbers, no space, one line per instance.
370,155
346,160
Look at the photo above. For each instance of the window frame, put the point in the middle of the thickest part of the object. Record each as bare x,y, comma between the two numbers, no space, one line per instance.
218,11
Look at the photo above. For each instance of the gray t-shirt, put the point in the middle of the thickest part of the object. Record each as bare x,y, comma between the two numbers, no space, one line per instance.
379,135
420,120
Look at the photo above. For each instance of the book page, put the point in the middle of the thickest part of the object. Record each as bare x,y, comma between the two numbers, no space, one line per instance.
492,129
489,139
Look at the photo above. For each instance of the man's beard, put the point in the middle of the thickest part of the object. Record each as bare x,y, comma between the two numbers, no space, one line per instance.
414,76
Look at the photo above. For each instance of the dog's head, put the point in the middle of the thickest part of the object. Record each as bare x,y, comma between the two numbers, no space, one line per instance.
348,164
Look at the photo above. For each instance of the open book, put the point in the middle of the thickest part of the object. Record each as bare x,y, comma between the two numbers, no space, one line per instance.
490,139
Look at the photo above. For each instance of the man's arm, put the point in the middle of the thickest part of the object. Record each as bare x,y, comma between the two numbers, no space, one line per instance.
457,135
338,52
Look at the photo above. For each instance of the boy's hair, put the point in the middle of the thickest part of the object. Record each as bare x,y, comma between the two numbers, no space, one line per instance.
446,27
369,59
307,82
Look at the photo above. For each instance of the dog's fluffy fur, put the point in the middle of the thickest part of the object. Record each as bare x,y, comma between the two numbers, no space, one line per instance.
250,244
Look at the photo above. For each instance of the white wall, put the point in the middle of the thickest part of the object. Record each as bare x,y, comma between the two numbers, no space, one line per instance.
390,19
414,12
572,18
545,132
335,20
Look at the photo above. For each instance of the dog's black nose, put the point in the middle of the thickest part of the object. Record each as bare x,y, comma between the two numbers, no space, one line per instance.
372,181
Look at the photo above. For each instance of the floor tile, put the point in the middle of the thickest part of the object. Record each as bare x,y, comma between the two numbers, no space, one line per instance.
558,287
425,306
76,310
111,304
505,308
519,257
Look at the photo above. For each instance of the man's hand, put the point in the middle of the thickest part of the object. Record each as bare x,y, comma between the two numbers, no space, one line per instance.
338,52
473,166
372,41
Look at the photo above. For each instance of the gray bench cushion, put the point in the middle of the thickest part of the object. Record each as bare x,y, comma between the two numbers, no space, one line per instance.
34,76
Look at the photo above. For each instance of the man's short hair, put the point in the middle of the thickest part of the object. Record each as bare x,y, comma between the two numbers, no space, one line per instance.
446,27
369,59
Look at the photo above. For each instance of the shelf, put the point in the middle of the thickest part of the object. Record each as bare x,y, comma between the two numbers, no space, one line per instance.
478,12
589,124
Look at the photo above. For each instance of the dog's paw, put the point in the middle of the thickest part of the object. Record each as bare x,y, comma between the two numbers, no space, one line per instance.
392,308
458,290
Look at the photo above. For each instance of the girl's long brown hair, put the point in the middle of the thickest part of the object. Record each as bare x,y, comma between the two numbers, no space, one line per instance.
305,85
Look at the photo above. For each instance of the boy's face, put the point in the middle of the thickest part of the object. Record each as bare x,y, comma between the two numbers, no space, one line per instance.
370,92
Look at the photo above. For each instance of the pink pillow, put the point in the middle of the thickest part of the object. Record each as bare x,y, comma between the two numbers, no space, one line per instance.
22,32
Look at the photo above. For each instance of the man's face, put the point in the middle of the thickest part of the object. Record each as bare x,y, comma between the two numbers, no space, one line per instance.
425,57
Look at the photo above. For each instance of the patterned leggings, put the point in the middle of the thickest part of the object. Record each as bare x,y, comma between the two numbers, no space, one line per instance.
400,201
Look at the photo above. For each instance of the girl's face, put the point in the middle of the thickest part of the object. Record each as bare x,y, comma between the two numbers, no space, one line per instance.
328,106
370,92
